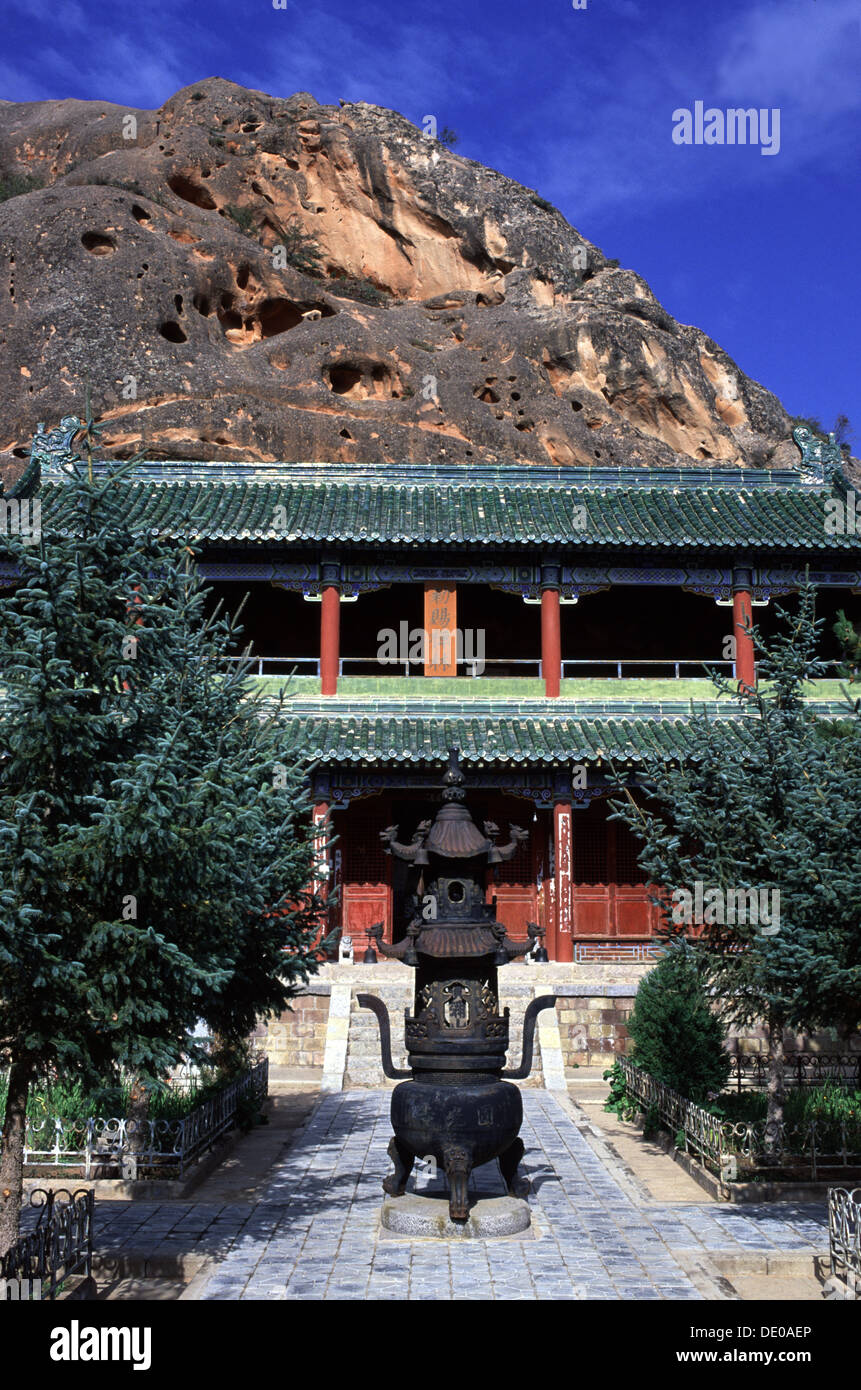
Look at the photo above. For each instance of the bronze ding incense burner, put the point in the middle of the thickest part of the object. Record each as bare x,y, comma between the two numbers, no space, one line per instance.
458,1104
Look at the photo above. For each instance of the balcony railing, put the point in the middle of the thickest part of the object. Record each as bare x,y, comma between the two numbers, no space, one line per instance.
615,667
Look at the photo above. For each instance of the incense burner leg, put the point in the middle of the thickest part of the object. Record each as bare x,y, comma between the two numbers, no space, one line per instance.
509,1161
458,1166
403,1159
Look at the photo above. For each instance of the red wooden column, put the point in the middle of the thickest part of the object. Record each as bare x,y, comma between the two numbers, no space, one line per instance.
562,948
742,611
551,633
330,627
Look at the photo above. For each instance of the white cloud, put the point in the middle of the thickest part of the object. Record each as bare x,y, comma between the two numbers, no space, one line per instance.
807,55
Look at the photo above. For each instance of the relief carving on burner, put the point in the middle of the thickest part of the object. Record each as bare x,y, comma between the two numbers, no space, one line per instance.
456,1004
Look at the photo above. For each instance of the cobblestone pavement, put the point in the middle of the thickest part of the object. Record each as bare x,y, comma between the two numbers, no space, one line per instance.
315,1234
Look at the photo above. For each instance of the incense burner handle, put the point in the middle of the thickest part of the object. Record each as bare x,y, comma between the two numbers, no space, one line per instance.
370,1001
532,1012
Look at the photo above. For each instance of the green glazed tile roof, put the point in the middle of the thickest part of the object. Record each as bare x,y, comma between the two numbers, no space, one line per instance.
444,513
531,732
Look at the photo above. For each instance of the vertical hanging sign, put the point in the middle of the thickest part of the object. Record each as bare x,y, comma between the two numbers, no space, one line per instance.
440,631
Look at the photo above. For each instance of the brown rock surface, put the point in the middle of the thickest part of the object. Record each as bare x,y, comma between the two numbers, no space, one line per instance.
148,262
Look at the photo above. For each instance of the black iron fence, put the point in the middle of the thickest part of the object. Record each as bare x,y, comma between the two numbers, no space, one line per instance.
56,1248
801,1069
844,1236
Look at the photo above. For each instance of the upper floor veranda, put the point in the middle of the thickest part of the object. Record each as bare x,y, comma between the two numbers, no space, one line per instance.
502,582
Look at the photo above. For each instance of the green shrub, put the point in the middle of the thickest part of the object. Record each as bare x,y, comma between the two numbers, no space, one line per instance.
13,185
677,1039
618,1101
301,250
243,217
73,1101
829,1104
362,290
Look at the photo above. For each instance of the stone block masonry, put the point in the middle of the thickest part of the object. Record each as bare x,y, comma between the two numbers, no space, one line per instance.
295,1042
592,1024
326,1028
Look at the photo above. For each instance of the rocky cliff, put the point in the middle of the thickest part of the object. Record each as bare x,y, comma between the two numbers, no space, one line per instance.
243,277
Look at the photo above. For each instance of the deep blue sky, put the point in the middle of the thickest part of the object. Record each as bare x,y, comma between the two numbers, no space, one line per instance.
759,251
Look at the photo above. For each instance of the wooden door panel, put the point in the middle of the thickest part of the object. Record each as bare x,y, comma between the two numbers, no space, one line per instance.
633,911
365,904
592,910
515,906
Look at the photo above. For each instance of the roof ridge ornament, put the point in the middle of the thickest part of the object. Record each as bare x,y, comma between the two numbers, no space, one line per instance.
51,450
821,459
453,779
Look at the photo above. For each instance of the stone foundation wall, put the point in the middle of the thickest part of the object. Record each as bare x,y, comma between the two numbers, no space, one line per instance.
297,1039
753,1040
592,1017
592,1025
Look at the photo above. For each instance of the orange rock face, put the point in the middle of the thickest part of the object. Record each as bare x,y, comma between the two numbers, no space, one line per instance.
242,277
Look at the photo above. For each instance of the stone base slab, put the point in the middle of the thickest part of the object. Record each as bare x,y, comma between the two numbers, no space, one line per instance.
415,1216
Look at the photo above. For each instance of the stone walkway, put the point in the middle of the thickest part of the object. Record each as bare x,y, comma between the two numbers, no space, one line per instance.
313,1230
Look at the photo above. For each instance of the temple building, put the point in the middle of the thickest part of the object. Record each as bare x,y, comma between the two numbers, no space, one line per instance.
553,624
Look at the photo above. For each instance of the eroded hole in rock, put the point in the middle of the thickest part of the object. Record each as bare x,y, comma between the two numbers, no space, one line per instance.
515,395
525,426
242,275
363,379
261,192
227,315
486,394
140,214
185,187
202,304
171,330
576,405
98,244
345,434
278,316
292,163
177,299
343,379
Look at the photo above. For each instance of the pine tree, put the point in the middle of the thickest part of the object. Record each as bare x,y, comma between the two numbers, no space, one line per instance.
850,640
677,1038
155,854
770,802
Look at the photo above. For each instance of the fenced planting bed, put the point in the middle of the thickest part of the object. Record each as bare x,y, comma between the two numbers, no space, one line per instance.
184,1120
818,1140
